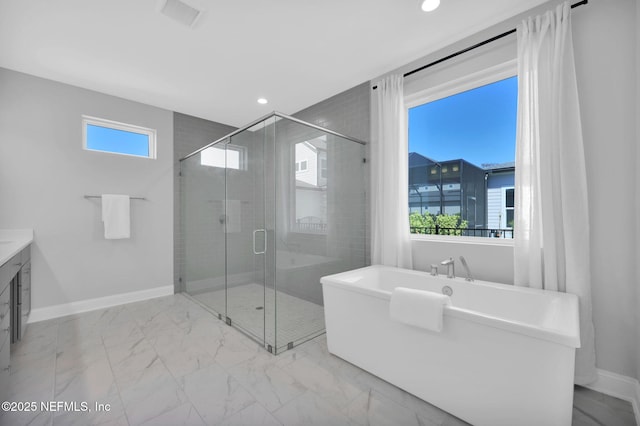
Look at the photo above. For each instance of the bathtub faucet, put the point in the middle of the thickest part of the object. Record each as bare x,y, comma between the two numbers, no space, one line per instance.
451,267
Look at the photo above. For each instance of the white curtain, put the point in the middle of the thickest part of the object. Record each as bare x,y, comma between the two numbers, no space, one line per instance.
551,210
391,244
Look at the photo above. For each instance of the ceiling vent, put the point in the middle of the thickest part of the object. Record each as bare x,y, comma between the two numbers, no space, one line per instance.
181,12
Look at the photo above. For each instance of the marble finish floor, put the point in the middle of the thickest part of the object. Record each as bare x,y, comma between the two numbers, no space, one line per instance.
168,361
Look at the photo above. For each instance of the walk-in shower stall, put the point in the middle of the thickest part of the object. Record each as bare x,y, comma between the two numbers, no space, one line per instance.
266,212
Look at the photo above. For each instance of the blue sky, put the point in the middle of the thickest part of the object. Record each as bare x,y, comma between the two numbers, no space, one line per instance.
478,125
113,140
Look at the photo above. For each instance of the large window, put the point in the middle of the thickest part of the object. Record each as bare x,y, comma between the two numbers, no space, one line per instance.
461,159
118,138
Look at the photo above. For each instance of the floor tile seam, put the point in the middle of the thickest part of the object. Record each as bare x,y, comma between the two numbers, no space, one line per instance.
55,366
332,403
151,422
257,402
128,344
123,341
373,391
179,378
313,394
203,345
603,400
55,375
112,326
117,386
589,416
285,372
248,389
386,394
143,382
115,380
226,376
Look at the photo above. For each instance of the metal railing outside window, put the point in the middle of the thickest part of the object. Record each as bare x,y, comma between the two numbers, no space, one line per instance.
465,232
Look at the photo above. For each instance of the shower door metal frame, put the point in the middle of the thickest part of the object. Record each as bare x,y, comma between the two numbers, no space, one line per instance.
269,346
266,117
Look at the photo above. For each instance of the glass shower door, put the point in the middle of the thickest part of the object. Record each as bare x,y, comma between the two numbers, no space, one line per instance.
203,227
245,233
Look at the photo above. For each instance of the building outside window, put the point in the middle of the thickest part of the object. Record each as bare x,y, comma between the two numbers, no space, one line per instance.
301,166
508,207
500,194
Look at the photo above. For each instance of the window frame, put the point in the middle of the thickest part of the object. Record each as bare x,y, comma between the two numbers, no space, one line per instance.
470,81
503,221
323,170
242,156
116,125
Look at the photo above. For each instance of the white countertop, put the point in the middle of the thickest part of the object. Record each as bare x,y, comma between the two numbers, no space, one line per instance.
12,241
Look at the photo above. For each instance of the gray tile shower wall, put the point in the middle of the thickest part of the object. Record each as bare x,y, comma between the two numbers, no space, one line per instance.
348,113
190,134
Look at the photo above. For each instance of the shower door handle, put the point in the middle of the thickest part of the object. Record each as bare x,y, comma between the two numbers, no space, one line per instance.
264,249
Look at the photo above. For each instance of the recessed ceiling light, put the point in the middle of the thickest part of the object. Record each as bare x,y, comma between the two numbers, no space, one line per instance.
430,5
181,12
262,101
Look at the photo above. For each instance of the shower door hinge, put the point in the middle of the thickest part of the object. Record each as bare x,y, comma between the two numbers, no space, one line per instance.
290,345
228,321
270,349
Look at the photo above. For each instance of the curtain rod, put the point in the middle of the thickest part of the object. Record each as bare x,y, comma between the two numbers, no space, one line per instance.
475,46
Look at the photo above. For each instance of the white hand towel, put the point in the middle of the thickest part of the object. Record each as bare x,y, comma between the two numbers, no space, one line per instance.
424,309
116,216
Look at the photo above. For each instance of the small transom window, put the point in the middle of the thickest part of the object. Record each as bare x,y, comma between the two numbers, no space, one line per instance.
229,156
118,138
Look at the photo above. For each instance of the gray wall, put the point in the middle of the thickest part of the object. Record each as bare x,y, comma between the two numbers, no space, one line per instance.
346,112
637,261
604,34
189,134
44,173
604,37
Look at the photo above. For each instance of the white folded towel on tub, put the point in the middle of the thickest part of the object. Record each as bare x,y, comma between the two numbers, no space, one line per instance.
116,216
419,308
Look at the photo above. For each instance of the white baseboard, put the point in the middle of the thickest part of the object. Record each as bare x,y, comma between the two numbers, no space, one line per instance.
619,386
56,311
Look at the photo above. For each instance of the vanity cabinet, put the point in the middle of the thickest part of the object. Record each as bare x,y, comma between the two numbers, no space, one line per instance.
25,290
7,274
20,295
15,306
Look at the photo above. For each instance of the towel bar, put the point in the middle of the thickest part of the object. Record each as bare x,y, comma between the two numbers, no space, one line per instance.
100,196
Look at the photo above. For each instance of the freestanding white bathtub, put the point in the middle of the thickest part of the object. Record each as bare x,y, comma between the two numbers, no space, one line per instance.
505,355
